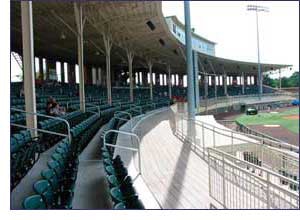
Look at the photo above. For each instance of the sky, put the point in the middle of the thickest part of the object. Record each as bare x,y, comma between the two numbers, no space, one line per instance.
233,28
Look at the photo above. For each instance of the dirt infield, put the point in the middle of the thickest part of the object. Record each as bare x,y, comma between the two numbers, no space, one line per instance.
293,117
280,133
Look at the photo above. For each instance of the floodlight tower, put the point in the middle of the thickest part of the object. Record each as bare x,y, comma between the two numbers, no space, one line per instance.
257,9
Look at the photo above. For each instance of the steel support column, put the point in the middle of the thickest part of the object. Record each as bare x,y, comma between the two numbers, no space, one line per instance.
189,61
225,83
169,82
99,76
79,23
28,65
150,64
130,56
243,83
196,79
108,44
41,76
94,76
62,72
206,90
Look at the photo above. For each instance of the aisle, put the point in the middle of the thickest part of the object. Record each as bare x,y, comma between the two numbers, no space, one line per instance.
91,189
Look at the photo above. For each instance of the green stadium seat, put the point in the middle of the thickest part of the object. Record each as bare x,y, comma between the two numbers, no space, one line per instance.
34,202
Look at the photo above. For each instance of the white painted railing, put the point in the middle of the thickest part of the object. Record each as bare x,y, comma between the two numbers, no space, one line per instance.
135,147
243,173
238,184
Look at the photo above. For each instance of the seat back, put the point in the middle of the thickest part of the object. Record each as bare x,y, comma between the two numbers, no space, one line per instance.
34,202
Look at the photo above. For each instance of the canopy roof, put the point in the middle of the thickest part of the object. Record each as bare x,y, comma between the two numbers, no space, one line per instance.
137,26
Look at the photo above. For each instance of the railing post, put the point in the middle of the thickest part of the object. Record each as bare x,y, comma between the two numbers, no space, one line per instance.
224,182
140,161
231,142
203,141
209,173
214,137
268,192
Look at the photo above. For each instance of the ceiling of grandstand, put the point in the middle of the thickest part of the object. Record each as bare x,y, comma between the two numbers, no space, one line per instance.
138,26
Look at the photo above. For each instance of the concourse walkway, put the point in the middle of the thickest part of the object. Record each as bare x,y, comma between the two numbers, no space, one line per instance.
173,170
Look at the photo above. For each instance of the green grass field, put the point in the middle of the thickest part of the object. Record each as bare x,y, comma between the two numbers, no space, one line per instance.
272,119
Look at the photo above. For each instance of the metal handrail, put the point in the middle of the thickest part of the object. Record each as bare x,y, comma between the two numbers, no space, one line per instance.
47,116
253,165
232,161
124,119
136,149
40,130
140,111
238,133
267,138
292,158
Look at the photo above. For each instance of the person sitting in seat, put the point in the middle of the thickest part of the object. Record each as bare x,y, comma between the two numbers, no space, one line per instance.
53,108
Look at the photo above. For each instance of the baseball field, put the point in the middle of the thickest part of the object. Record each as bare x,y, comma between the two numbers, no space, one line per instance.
287,118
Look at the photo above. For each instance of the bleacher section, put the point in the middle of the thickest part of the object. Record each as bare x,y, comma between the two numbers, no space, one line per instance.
55,187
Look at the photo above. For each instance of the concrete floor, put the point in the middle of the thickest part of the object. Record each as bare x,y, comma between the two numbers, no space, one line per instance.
91,188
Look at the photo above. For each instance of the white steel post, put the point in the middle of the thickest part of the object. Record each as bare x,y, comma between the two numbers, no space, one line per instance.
189,61
224,181
108,44
169,82
243,83
28,65
150,64
225,83
79,23
130,56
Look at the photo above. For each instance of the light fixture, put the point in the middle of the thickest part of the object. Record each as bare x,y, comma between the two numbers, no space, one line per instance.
97,53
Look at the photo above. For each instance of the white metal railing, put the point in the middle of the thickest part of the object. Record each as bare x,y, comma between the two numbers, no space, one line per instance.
135,108
207,137
116,115
135,148
238,184
231,99
43,130
266,139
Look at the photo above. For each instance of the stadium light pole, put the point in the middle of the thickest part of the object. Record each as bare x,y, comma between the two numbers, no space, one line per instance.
257,9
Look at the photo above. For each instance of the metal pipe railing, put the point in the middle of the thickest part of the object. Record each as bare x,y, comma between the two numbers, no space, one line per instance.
240,137
292,162
290,146
47,116
122,118
133,148
267,194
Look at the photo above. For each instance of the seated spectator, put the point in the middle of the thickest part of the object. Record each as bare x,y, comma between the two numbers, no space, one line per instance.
53,108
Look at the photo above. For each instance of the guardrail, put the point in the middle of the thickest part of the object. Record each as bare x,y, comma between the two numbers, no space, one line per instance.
135,148
266,139
43,130
231,99
273,142
236,187
251,155
122,118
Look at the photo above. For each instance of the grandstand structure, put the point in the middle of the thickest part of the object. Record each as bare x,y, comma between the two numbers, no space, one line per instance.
126,141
